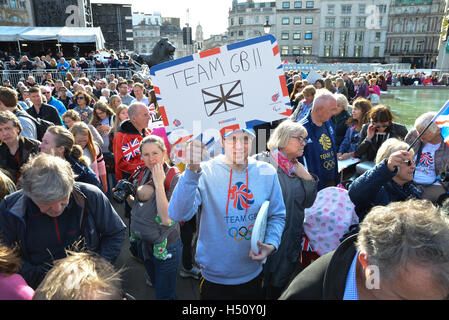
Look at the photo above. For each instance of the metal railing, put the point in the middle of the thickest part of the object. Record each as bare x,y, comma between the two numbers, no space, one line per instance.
14,76
346,67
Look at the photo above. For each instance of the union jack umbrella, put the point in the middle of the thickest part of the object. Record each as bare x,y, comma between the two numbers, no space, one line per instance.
131,149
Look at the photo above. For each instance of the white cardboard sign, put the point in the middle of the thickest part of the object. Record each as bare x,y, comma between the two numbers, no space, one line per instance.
233,86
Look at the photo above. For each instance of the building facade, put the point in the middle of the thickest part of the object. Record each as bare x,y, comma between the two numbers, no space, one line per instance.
150,28
16,13
246,20
115,21
414,32
353,31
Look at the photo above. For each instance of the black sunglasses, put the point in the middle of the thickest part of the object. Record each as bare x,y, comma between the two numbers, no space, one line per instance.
378,127
409,162
80,98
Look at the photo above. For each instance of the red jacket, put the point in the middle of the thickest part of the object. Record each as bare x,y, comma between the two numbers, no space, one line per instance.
126,148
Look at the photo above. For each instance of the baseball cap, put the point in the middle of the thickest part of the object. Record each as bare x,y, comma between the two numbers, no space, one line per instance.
249,131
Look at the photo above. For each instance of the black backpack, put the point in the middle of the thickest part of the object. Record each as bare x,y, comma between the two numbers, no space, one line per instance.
41,124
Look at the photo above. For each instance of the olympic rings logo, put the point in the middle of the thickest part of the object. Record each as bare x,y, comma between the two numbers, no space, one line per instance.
329,164
241,233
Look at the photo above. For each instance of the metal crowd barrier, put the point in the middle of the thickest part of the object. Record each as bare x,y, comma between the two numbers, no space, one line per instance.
346,67
14,76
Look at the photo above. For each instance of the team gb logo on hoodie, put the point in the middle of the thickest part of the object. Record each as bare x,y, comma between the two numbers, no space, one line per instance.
242,196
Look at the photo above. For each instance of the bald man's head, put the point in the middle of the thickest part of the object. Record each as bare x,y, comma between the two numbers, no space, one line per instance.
324,105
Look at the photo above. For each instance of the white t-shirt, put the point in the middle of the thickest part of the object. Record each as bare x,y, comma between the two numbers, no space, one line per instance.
425,166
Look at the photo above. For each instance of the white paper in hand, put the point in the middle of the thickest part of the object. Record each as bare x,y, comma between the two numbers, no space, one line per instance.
260,225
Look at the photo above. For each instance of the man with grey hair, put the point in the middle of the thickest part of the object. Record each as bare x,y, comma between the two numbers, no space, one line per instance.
401,252
320,153
53,212
432,156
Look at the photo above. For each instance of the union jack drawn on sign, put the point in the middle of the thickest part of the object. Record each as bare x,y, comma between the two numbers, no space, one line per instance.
223,98
131,149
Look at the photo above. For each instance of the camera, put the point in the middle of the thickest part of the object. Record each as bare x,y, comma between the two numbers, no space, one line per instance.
445,176
123,189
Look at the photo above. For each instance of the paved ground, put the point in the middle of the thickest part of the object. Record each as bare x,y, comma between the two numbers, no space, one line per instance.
134,274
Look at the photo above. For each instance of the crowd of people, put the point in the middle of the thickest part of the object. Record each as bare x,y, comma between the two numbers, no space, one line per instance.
71,152
97,59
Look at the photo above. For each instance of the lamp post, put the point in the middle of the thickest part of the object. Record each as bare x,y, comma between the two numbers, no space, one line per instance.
266,27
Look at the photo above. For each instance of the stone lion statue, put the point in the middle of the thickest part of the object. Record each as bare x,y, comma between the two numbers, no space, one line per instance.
163,51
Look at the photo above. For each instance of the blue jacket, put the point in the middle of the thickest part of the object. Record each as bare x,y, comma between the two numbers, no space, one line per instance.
376,187
101,227
311,154
350,141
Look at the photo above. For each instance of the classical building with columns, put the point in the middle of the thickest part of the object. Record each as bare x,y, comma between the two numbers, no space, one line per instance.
414,32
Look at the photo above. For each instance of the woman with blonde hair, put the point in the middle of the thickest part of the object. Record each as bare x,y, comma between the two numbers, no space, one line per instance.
60,142
120,115
12,284
304,105
299,189
390,180
83,137
114,102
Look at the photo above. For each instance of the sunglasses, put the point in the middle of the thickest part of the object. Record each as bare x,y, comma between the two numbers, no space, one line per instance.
409,162
80,98
378,127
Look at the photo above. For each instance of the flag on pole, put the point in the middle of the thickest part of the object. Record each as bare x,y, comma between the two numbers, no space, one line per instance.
442,120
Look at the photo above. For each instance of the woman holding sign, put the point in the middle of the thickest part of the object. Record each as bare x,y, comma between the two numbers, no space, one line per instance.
230,189
299,189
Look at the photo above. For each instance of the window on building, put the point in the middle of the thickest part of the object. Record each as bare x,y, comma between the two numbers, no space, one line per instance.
343,50
378,36
285,35
296,50
308,35
240,20
296,35
376,51
330,8
284,50
232,21
360,22
240,33
345,22
297,4
328,35
346,9
420,46
285,20
406,46
380,21
362,9
297,20
307,50
286,4
382,8
327,51
358,51
310,4
329,22
359,35
344,36
309,20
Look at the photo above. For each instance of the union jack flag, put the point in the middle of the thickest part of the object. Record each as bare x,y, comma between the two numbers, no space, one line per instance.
426,159
442,121
131,149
